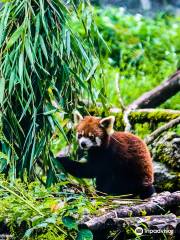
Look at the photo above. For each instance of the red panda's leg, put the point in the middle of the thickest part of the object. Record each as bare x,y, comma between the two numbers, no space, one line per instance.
147,191
77,169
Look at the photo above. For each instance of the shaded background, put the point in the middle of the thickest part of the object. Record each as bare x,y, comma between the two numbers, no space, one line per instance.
142,6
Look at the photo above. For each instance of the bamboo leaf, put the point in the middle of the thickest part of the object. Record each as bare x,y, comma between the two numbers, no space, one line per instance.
68,43
3,23
21,62
12,81
83,52
93,69
15,36
2,89
37,26
43,47
29,51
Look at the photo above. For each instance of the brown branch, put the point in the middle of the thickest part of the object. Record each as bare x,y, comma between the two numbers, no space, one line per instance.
159,94
162,129
154,97
157,204
151,222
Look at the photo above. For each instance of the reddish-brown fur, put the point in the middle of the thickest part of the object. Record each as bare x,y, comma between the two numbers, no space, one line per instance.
121,165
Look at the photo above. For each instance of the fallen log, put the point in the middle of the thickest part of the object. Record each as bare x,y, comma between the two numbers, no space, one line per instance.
156,205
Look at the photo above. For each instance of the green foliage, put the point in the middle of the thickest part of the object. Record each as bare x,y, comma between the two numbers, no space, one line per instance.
32,211
85,234
69,222
143,51
35,212
45,69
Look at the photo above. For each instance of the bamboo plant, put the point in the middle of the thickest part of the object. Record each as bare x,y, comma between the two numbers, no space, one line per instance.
42,60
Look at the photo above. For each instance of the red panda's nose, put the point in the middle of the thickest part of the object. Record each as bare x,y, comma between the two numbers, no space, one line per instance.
83,144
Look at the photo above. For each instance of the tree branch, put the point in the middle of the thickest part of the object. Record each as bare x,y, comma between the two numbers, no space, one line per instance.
157,204
151,222
161,129
159,94
154,97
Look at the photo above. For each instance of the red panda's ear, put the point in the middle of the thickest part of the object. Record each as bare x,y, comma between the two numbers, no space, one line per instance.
108,124
77,118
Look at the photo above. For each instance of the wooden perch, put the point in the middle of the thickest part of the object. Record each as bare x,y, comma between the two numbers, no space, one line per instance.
156,205
161,129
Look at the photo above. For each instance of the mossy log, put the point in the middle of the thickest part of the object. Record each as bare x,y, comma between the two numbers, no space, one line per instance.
158,204
137,116
165,179
166,149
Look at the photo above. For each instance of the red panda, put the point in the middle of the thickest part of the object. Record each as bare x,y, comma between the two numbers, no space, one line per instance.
120,161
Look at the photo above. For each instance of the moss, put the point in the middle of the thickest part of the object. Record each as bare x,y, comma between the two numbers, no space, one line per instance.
155,116
152,118
166,150
143,213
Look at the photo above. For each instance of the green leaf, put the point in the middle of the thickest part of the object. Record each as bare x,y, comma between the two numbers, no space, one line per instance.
68,43
37,28
2,155
28,232
43,47
15,36
3,162
21,62
83,52
29,51
12,81
69,222
84,234
3,23
2,89
51,219
41,225
93,69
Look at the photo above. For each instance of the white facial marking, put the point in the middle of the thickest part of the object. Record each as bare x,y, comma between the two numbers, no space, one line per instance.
85,143
90,134
82,132
98,141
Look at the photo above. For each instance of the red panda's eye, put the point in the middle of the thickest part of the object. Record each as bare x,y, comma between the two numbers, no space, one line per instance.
79,136
92,138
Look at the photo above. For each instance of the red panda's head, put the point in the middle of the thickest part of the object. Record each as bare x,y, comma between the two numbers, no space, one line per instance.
92,131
